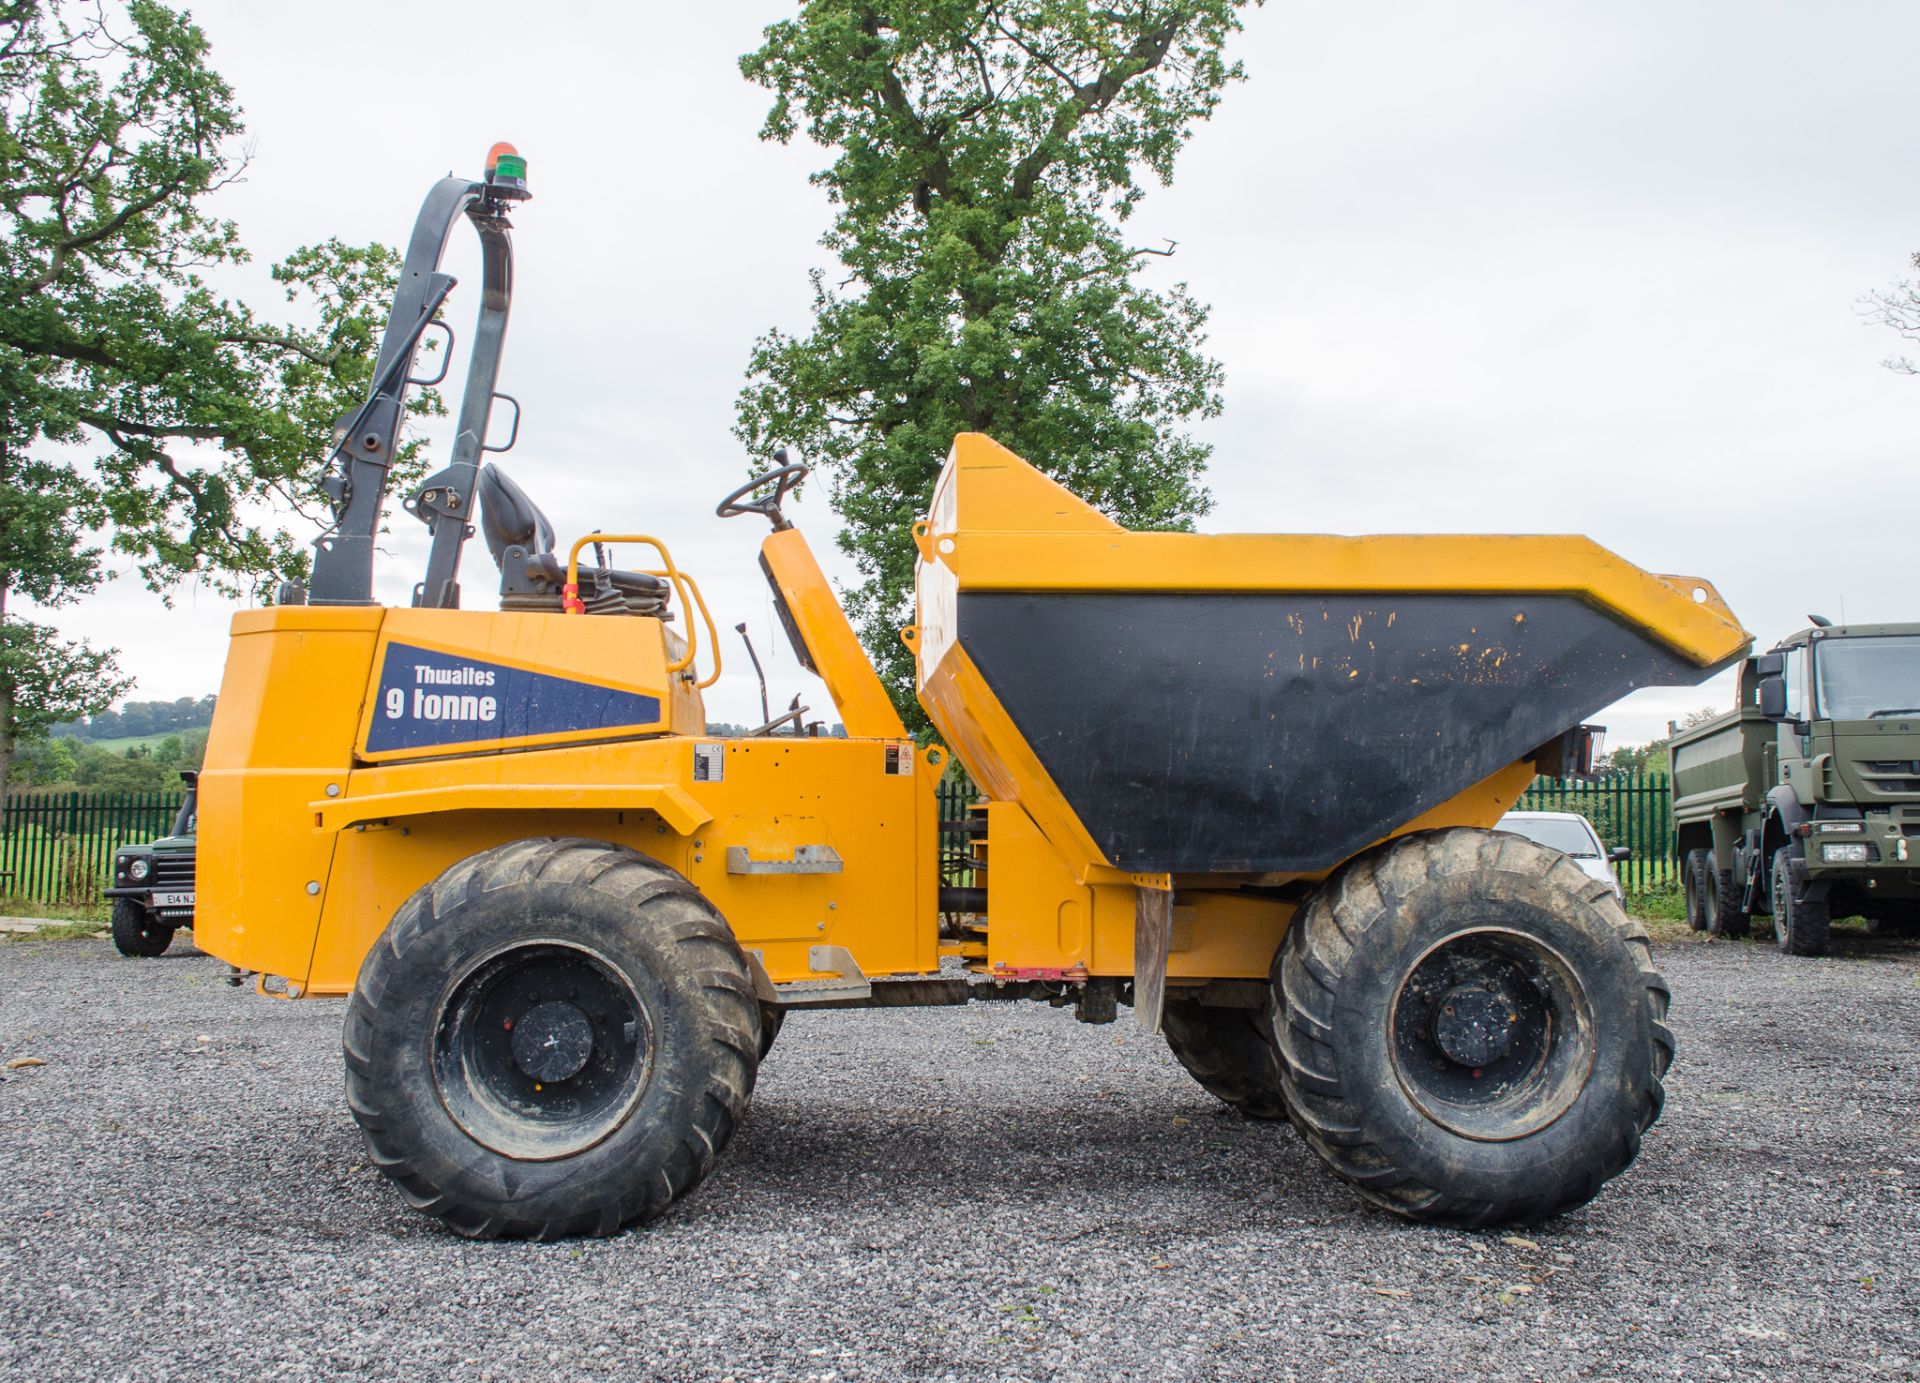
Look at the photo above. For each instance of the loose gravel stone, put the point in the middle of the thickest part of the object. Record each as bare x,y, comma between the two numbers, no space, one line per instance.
993,1192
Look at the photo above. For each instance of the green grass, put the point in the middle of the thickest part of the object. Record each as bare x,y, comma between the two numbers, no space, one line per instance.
1664,912
12,905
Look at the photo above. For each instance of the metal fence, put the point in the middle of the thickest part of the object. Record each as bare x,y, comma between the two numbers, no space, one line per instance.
1630,809
957,794
57,846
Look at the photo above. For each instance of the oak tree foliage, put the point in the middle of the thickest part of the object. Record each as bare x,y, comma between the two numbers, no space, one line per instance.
985,160
144,413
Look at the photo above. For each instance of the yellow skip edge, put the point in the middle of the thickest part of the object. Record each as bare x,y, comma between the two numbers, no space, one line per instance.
1001,502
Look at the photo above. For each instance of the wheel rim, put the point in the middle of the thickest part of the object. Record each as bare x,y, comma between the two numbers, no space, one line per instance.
1710,903
541,1049
1782,906
1491,1034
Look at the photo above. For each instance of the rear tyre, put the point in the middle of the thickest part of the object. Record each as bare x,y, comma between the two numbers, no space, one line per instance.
1725,916
1799,928
554,1038
136,932
1471,1030
1230,1052
1697,881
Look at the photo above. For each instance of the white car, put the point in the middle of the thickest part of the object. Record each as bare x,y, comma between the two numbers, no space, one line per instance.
1572,835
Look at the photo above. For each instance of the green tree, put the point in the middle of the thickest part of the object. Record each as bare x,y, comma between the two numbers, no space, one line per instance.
1651,757
135,400
45,762
986,154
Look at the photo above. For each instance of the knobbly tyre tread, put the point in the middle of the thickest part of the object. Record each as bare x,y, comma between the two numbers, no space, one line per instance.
702,949
1799,928
136,933
1726,917
1230,1052
1307,973
1697,872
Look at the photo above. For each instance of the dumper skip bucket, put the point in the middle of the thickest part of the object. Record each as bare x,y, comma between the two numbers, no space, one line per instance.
1274,703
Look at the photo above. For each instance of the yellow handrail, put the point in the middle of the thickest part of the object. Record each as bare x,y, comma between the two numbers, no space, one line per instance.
571,603
712,632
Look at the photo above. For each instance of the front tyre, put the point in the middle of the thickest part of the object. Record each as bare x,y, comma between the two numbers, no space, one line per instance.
1471,1030
554,1038
137,932
1800,928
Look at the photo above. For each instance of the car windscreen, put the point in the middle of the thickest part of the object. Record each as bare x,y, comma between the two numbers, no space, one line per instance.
1568,837
1857,679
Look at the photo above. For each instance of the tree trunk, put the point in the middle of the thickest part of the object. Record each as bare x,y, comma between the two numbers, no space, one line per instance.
6,581
6,707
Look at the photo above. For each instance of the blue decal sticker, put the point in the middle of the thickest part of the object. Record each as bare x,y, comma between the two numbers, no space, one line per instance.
428,698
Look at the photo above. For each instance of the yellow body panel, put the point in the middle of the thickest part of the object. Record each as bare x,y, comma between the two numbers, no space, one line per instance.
311,838
776,794
865,708
630,655
1046,923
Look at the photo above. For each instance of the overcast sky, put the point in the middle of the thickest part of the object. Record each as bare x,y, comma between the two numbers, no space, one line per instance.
1501,267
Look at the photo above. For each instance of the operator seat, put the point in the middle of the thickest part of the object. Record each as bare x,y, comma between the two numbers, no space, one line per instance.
508,518
532,577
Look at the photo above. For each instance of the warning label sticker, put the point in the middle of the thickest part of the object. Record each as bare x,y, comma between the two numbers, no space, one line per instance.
709,763
900,760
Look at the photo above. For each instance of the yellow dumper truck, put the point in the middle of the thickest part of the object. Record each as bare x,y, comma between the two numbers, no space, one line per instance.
1243,783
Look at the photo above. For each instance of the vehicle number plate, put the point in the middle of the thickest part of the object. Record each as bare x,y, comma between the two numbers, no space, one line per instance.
173,900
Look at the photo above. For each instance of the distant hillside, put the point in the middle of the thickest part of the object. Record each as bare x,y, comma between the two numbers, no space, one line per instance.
143,720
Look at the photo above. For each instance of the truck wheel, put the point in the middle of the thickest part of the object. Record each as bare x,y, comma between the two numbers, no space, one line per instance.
1230,1052
555,1037
1697,883
1799,928
1725,917
137,932
1471,1029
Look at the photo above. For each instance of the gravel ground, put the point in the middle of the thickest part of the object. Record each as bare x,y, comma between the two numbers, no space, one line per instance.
991,1192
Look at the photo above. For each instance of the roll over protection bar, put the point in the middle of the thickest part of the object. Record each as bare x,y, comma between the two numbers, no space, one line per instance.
367,439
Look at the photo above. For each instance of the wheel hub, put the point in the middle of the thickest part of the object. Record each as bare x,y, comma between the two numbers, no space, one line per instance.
1474,1025
553,1041
1491,1035
541,1049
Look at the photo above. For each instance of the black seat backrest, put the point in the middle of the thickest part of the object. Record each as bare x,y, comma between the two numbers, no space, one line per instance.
508,518
532,574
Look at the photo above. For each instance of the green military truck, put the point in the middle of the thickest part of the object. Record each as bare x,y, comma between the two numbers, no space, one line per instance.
152,888
1804,801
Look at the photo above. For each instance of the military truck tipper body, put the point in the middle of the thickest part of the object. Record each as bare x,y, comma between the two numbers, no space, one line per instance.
1804,801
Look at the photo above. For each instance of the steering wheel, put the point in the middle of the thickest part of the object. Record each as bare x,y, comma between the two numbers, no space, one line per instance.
782,479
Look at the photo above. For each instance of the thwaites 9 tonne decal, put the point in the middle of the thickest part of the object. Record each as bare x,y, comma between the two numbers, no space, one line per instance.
428,699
